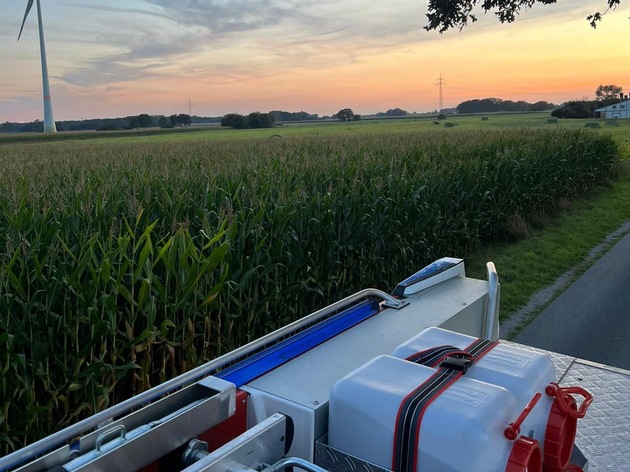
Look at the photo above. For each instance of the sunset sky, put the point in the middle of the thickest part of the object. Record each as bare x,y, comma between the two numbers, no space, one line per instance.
111,58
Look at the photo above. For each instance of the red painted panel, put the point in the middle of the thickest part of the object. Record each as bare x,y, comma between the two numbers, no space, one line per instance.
234,426
216,437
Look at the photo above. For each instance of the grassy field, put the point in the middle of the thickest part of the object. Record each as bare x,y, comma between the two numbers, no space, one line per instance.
536,120
559,243
131,259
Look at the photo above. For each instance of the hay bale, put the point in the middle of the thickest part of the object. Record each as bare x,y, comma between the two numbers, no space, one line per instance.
484,118
450,124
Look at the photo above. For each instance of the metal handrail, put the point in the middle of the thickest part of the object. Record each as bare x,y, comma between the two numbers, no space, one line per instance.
21,456
491,318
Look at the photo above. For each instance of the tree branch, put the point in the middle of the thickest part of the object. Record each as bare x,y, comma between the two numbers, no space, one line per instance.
448,14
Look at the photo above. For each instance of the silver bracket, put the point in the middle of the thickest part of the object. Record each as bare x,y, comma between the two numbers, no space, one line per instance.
262,444
395,303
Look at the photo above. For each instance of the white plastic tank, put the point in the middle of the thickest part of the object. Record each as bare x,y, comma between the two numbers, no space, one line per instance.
461,430
523,373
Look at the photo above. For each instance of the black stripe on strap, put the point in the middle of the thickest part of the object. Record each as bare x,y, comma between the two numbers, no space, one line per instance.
413,407
409,418
434,356
480,347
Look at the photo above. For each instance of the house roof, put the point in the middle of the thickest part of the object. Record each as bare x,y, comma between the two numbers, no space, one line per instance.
610,107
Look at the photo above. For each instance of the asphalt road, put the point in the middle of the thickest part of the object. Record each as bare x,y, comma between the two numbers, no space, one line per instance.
591,319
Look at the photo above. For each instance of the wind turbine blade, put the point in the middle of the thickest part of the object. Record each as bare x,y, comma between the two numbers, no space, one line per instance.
28,9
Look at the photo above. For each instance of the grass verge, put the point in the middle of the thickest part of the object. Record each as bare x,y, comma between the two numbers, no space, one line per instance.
528,266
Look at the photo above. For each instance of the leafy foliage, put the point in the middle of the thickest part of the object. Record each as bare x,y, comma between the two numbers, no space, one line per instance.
608,93
577,109
260,120
393,112
145,120
444,15
280,115
490,105
541,106
345,114
180,120
253,120
233,120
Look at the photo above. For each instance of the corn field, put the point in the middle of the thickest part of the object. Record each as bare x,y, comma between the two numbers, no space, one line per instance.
125,264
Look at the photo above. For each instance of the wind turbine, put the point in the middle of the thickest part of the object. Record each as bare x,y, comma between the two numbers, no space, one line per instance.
49,121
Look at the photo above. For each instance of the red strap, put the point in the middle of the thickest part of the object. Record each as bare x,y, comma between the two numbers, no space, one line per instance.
409,418
435,356
413,407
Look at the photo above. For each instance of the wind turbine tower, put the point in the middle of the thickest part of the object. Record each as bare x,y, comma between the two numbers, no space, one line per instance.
49,121
438,83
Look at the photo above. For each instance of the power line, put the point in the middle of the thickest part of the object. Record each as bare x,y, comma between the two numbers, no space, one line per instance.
189,103
441,83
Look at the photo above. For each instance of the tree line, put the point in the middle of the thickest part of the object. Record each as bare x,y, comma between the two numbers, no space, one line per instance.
143,120
268,120
253,120
280,115
606,95
148,121
392,112
493,105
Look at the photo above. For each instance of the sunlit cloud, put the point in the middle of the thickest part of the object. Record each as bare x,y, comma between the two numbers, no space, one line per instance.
110,58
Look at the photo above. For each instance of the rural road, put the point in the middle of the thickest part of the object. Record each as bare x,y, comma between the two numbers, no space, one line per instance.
591,319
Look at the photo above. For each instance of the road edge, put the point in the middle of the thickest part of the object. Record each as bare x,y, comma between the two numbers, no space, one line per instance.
543,297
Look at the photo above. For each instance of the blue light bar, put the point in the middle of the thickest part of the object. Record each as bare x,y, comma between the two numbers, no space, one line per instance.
278,354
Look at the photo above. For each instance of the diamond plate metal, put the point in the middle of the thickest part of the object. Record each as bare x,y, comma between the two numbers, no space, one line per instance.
335,460
603,435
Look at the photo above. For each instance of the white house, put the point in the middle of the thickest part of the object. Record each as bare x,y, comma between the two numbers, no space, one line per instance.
617,110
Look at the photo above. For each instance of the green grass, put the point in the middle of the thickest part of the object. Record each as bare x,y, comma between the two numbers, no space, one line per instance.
331,128
531,264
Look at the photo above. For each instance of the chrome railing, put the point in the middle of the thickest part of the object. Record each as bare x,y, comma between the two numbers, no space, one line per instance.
491,317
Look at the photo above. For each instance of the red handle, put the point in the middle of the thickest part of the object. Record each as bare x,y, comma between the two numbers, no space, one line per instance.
512,431
562,397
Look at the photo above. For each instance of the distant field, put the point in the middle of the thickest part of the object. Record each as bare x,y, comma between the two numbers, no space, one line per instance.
537,120
130,259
